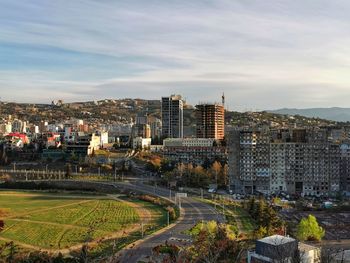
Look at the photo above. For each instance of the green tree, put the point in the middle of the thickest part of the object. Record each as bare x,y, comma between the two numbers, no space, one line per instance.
166,166
271,220
308,229
251,206
213,242
260,232
259,213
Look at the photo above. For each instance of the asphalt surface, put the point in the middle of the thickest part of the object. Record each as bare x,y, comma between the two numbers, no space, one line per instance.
193,211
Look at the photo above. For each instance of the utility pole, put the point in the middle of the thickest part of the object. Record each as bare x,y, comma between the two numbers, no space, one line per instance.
115,174
170,193
168,218
201,193
142,229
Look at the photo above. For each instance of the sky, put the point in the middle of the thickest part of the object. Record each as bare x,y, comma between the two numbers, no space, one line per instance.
262,54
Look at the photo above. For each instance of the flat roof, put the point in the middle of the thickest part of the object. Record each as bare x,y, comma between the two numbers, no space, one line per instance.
276,240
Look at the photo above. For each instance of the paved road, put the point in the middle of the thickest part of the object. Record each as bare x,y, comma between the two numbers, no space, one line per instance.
193,211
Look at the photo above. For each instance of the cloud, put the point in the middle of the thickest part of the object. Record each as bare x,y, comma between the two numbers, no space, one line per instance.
295,52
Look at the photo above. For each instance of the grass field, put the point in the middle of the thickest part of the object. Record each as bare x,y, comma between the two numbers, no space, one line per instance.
57,221
235,215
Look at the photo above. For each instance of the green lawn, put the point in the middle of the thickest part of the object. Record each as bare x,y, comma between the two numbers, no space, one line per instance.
246,220
235,215
53,221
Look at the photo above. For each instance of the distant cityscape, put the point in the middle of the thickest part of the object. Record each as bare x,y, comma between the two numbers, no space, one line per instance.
205,149
296,155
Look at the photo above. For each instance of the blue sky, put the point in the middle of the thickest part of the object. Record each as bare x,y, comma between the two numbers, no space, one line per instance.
262,54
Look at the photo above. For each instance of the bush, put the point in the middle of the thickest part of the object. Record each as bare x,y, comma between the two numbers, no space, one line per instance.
172,212
308,229
160,202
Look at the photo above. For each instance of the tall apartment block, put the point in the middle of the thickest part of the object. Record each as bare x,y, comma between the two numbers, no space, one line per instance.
248,156
298,161
210,121
345,166
172,117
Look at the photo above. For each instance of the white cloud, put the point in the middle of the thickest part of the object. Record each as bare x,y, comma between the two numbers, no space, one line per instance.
293,51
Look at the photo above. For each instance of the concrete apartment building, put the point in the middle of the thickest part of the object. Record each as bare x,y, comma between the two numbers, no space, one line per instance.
84,144
172,117
210,121
248,153
298,162
192,150
156,127
345,167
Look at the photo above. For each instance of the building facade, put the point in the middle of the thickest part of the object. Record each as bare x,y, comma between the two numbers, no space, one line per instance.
193,150
345,167
297,162
172,117
210,121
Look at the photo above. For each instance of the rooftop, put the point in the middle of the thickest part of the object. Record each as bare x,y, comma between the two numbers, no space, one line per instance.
276,240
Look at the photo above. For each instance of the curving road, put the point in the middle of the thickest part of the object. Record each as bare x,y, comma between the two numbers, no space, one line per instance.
193,211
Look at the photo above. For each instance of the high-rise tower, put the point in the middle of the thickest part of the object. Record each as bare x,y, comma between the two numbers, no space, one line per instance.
172,117
210,121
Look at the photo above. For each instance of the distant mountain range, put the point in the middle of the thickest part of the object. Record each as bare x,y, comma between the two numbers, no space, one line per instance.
334,114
